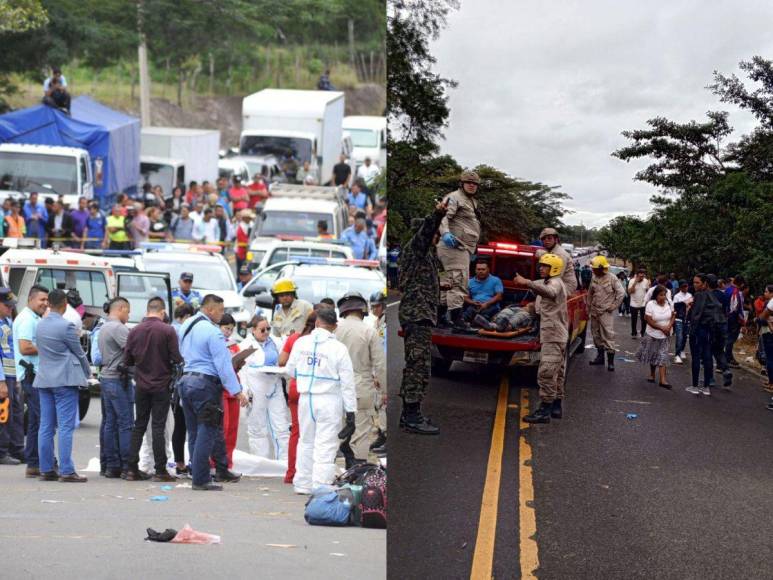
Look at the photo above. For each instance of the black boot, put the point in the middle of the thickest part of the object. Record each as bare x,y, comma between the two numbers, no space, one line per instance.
556,411
457,319
599,360
541,415
611,361
414,422
442,319
380,440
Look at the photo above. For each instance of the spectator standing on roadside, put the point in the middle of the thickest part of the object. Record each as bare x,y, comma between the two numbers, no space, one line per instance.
158,231
14,222
705,314
637,290
182,225
736,317
79,217
118,230
238,195
718,336
242,237
357,238
625,305
682,303
258,191
95,232
12,431
140,226
653,350
36,216
59,227
765,322
342,173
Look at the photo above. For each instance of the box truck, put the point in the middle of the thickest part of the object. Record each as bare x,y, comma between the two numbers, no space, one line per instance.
197,149
368,138
295,126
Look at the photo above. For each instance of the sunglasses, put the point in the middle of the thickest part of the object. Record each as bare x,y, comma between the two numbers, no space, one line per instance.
268,328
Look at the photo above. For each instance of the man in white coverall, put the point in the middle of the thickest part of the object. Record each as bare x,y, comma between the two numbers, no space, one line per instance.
323,371
367,353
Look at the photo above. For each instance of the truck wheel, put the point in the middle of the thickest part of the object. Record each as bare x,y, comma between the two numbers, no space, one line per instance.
441,366
84,400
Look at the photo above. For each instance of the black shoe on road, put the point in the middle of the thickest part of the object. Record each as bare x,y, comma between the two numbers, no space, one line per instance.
599,360
610,361
541,415
227,477
113,473
556,412
412,421
137,475
8,460
207,487
380,440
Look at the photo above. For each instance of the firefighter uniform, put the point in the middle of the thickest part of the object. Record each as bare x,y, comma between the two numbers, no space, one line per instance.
290,320
553,335
568,276
604,297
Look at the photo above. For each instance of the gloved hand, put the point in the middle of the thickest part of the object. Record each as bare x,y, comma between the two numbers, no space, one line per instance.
450,240
348,429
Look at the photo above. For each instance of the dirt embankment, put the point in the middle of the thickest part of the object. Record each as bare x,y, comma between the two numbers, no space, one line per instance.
225,113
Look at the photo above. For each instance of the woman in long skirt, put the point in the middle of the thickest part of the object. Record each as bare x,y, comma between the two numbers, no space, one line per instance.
653,350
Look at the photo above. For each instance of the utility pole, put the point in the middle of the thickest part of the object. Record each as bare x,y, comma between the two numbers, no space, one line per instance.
142,54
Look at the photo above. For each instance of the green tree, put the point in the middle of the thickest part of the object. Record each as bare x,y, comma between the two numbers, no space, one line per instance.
21,16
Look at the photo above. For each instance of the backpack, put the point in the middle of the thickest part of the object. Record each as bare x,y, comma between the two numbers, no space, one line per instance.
96,355
373,505
326,508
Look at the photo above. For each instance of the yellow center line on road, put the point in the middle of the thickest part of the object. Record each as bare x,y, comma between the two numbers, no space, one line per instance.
483,558
527,516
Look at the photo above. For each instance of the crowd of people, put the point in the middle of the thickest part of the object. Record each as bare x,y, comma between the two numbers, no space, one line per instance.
312,385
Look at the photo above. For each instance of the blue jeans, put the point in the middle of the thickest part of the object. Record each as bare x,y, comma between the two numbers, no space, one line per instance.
681,329
118,421
58,405
733,331
767,342
700,351
12,432
202,401
488,313
32,399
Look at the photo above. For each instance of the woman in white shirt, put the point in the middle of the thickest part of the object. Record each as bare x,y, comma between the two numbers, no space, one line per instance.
268,417
653,350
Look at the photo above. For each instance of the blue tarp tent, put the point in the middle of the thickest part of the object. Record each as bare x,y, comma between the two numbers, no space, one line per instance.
111,138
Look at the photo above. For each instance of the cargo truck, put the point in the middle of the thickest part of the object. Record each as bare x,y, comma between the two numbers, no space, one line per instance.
172,156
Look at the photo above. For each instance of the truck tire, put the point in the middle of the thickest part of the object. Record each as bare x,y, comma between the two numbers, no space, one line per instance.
84,400
441,366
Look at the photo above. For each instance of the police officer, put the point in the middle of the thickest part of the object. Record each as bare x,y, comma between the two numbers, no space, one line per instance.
553,334
323,371
290,312
551,243
12,431
244,276
420,285
185,293
459,233
208,369
604,297
369,364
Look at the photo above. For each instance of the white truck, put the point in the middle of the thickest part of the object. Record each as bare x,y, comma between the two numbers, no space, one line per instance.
174,155
47,169
368,137
295,126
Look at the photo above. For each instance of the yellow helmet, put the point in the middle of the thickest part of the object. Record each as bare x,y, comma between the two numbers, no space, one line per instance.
283,286
599,262
555,262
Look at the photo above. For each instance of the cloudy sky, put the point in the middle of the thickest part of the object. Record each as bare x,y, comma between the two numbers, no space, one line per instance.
545,88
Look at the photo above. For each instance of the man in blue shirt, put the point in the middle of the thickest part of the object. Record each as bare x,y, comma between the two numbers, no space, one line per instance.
12,431
25,354
185,293
36,218
208,370
357,197
485,293
357,238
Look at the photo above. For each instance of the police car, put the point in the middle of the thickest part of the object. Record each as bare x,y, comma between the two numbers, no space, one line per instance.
316,278
282,249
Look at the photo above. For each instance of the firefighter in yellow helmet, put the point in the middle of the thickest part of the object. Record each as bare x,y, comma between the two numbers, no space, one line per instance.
290,312
604,297
553,334
459,233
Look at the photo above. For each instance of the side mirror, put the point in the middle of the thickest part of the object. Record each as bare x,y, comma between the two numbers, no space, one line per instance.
265,301
249,292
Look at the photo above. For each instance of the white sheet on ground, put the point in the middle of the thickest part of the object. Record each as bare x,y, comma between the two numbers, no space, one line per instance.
254,466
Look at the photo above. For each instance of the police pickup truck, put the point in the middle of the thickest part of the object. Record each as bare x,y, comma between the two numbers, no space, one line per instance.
505,260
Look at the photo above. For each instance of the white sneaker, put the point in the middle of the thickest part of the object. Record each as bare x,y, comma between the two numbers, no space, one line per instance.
677,360
705,391
693,390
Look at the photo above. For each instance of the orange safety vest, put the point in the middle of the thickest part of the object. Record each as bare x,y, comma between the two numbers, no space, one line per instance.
16,227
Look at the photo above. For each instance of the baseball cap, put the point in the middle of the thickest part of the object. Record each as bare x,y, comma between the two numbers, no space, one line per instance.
186,276
245,269
7,297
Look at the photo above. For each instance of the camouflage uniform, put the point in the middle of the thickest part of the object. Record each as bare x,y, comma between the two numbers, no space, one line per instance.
462,221
419,283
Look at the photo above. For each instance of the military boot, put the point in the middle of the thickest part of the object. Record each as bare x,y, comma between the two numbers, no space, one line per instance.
556,411
541,415
599,360
412,421
457,319
442,319
611,360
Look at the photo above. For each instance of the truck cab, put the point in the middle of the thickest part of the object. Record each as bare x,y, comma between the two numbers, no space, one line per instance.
505,260
46,169
163,171
368,137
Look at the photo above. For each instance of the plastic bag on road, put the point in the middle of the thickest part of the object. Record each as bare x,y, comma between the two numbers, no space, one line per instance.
188,535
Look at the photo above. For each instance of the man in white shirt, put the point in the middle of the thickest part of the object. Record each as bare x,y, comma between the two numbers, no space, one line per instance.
368,172
56,73
323,371
207,230
637,290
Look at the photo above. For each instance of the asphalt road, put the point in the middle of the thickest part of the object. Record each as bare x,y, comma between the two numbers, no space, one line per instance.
98,529
681,491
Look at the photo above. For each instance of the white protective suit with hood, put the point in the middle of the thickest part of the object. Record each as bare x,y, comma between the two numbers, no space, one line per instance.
323,371
268,417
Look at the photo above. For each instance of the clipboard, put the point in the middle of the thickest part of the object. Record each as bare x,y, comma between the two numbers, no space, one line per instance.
241,357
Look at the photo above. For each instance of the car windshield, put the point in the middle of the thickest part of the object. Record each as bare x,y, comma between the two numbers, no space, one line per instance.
41,173
314,289
157,174
284,148
291,223
363,137
206,275
138,290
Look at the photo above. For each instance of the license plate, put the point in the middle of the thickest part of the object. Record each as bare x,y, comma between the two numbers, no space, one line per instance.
471,356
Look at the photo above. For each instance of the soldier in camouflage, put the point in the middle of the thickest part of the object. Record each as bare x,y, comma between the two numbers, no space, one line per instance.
420,286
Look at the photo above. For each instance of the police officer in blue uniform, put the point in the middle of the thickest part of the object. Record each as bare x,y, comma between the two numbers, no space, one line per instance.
185,293
208,370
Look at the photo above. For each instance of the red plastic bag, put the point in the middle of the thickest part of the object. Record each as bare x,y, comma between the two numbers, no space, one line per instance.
188,535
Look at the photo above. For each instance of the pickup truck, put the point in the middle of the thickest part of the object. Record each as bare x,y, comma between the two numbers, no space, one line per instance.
507,259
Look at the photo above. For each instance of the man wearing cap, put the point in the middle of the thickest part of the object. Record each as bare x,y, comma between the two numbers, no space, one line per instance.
244,276
551,243
25,352
369,363
290,312
604,297
459,233
323,371
185,293
12,431
356,236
